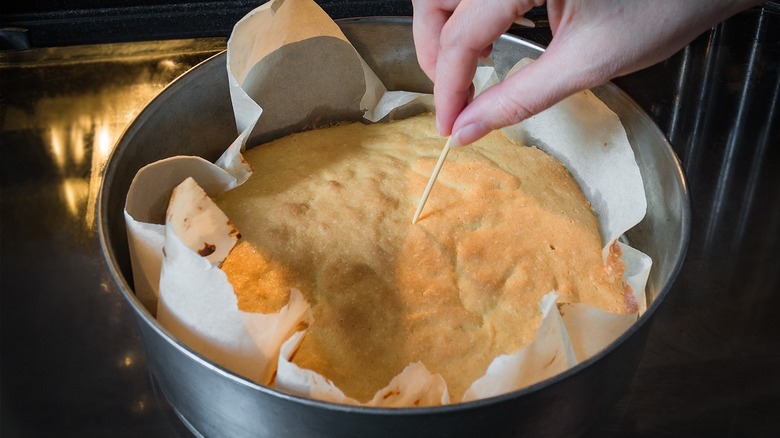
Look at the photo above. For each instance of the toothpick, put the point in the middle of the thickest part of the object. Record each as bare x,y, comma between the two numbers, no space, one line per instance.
432,180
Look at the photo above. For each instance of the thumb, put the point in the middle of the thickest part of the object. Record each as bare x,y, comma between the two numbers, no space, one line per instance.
534,88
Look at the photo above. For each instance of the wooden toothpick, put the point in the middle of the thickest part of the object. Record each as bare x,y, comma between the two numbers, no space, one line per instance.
432,180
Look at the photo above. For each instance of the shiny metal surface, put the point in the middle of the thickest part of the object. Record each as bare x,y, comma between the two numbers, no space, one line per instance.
72,363
71,360
205,395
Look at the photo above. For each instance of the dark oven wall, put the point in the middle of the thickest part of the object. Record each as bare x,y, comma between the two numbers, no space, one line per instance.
41,23
44,23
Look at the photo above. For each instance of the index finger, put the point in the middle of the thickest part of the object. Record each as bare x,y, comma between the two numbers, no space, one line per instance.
474,25
428,20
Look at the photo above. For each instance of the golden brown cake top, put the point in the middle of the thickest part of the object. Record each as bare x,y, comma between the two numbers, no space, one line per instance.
329,212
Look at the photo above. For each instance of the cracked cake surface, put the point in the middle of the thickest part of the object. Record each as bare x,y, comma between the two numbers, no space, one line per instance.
329,211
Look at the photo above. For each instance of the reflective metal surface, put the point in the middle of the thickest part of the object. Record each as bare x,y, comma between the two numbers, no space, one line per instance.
71,363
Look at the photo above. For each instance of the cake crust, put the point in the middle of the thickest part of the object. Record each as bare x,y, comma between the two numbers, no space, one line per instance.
329,212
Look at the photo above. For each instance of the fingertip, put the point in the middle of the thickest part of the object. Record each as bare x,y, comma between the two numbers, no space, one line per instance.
449,104
438,126
468,134
446,114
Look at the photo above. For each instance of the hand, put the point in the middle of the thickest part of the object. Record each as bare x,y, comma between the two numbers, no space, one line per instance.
593,42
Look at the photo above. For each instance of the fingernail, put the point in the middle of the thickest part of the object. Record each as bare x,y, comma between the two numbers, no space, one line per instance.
468,134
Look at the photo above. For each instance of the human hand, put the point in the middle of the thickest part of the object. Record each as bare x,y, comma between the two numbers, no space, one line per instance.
593,42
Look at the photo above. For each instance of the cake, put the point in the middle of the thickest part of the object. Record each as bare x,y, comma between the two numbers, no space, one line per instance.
328,212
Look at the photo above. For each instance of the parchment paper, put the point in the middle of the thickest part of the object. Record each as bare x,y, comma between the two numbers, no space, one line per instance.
274,95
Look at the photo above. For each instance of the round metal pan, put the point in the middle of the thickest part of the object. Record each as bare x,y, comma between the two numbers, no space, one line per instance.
193,116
